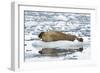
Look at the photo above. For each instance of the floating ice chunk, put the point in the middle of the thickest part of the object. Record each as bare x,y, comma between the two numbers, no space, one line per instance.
60,44
31,23
60,17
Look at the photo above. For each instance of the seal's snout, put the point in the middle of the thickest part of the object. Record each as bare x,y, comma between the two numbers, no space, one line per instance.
40,35
40,52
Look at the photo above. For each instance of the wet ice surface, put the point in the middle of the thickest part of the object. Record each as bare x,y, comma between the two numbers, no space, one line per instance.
67,22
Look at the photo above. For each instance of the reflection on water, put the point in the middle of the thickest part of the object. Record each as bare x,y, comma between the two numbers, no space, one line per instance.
69,54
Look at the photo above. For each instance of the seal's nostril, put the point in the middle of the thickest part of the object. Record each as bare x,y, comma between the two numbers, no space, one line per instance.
40,52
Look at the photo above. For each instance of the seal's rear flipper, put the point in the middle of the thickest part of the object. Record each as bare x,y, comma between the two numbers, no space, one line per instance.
80,49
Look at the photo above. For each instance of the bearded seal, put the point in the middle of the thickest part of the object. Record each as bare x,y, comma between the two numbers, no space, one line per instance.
56,36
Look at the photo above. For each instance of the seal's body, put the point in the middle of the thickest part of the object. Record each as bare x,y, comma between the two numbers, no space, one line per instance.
55,36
